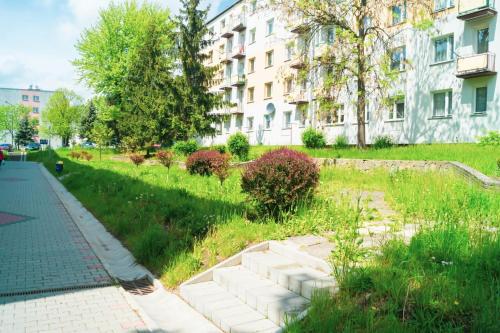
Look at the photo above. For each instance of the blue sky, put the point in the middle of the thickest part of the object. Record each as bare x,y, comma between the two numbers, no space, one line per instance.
37,39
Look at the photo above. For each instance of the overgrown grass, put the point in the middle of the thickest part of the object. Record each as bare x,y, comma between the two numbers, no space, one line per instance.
482,158
177,225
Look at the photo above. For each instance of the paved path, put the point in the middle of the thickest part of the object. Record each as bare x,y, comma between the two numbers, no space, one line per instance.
50,279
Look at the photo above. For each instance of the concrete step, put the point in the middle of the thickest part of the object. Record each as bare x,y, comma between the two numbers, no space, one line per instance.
225,310
271,300
288,273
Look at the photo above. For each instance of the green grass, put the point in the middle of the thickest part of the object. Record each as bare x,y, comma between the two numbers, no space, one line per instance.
178,225
482,158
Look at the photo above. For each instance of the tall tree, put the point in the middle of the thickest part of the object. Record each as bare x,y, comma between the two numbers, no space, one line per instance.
196,100
358,63
10,117
101,134
62,115
26,131
88,120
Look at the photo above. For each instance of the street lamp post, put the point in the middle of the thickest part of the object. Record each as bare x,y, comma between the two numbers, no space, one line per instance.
11,124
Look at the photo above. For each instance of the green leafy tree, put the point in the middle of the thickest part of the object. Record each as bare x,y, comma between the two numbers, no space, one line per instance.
196,100
101,134
26,131
88,120
62,115
10,117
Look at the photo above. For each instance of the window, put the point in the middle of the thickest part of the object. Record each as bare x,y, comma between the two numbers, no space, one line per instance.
289,52
36,98
251,65
443,48
442,103
250,123
268,121
288,85
481,100
239,122
227,125
222,24
269,58
26,98
398,57
253,6
252,36
335,116
35,110
443,4
218,128
398,109
398,14
287,119
211,32
250,95
326,35
482,40
269,27
301,115
268,90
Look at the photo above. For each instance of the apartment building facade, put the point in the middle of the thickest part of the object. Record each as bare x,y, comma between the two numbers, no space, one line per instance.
447,86
33,98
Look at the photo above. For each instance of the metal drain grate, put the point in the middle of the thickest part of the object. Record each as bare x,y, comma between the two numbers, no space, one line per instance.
141,287
55,290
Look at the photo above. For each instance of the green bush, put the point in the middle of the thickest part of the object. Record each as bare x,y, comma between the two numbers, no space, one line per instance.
491,139
341,142
185,148
383,141
238,145
220,148
314,139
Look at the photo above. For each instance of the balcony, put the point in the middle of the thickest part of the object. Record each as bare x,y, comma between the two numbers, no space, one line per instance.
299,26
474,9
239,80
226,57
240,23
298,62
297,97
227,32
476,65
226,84
320,51
239,52
237,108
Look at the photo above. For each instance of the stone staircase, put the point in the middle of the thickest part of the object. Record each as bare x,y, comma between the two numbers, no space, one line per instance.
259,289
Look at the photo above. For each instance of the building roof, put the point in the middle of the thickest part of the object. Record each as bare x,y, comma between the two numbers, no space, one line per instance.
27,89
224,11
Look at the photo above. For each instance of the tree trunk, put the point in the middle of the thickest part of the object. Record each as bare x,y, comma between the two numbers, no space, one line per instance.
361,88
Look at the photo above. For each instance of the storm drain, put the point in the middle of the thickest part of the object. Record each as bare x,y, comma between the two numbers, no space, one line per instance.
55,290
140,287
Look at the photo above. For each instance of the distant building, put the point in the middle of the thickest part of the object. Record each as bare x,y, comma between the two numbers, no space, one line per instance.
34,98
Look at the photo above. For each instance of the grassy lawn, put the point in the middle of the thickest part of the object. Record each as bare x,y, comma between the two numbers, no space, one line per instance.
178,225
482,158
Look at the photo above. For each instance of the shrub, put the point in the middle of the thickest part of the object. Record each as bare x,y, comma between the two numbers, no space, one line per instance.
185,148
208,162
492,138
220,148
314,139
341,142
86,155
238,145
166,158
280,179
383,141
75,154
137,159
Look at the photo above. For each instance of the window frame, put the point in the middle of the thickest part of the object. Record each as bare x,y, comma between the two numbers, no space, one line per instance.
270,24
251,65
253,36
250,121
250,94
476,89
447,5
402,59
266,85
269,56
287,120
393,112
450,48
448,103
25,98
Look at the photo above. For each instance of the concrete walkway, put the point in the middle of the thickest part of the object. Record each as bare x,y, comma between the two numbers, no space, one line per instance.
50,278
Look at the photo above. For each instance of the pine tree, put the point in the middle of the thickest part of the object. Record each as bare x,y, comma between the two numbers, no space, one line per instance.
197,100
26,132
88,121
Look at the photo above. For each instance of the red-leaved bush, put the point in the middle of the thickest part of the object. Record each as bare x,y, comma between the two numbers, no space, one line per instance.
136,159
208,162
165,157
280,179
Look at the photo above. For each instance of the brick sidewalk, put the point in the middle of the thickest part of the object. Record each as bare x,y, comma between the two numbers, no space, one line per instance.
42,253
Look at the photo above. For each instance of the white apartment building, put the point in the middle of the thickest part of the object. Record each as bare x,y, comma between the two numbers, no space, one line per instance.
448,78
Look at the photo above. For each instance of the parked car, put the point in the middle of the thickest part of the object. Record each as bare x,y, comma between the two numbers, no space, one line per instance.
6,146
88,144
33,146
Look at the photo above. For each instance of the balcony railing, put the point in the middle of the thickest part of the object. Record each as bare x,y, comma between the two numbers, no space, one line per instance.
226,83
299,25
237,108
476,65
227,31
238,80
240,22
473,9
226,57
297,97
239,52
